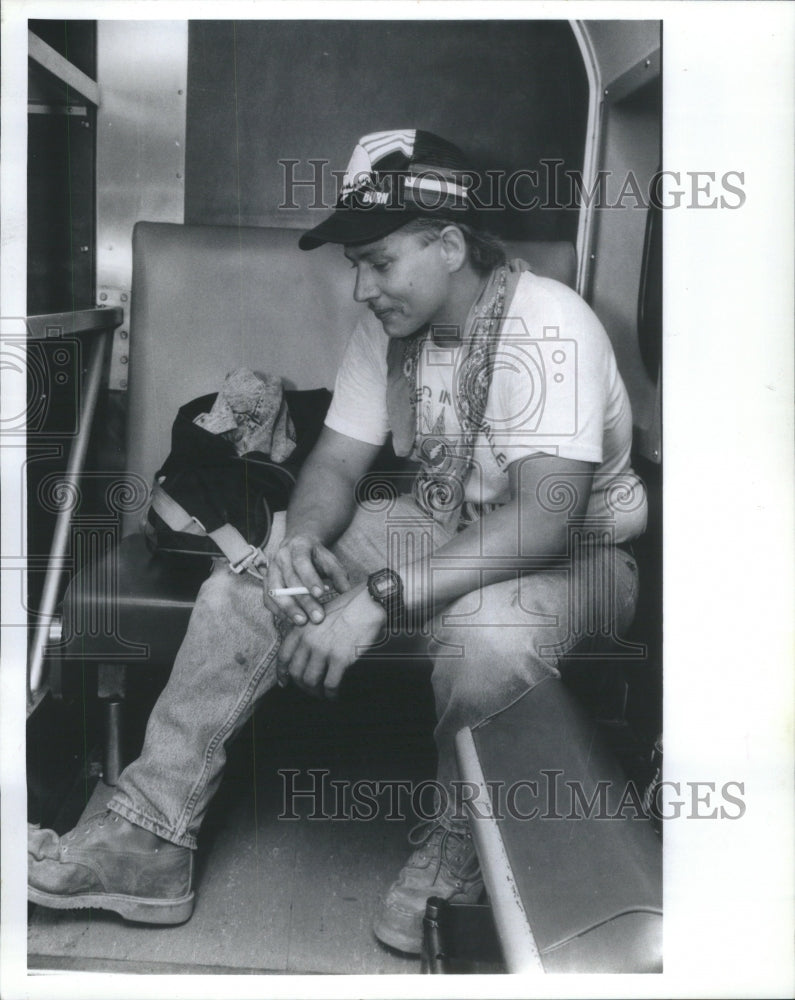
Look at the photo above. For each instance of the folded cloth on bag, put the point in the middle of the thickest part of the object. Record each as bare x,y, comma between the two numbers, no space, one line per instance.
251,412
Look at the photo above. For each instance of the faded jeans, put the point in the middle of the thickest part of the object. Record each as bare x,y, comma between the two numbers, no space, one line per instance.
488,647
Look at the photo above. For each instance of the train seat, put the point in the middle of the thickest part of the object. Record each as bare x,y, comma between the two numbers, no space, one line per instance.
205,300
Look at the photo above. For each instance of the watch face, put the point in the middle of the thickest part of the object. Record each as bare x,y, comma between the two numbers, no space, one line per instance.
386,587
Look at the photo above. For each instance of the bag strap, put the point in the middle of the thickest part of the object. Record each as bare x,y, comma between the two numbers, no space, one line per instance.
238,551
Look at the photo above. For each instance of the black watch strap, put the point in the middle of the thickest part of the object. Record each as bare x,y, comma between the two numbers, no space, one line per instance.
386,588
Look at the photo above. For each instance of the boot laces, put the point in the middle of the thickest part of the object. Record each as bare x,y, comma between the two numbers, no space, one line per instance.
451,848
97,820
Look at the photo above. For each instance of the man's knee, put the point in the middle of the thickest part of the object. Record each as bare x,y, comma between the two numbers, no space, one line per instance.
504,622
470,661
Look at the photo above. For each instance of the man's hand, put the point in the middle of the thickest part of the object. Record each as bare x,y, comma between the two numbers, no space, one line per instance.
316,657
302,561
321,507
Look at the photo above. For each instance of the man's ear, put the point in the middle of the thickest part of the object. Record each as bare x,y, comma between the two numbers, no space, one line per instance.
453,247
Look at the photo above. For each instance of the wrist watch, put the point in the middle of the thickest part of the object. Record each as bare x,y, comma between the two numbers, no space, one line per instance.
386,588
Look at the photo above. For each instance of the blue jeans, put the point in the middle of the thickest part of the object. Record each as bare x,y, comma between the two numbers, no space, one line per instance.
488,647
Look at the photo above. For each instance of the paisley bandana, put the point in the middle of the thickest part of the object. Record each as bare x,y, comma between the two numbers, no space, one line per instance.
440,483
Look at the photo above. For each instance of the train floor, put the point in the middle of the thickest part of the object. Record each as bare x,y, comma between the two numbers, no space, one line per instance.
277,894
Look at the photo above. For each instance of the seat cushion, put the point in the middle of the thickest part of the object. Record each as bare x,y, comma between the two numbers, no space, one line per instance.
131,606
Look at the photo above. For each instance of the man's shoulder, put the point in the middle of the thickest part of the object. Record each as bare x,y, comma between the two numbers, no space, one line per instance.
552,303
540,289
368,339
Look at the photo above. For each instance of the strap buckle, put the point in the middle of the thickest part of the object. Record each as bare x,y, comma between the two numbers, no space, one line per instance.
244,565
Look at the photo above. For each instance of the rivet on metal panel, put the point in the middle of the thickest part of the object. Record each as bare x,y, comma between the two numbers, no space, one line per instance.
647,63
123,334
103,296
593,256
85,124
179,177
124,296
123,359
606,91
180,92
84,249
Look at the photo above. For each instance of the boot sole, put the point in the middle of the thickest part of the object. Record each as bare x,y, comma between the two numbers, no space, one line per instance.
403,931
145,911
388,934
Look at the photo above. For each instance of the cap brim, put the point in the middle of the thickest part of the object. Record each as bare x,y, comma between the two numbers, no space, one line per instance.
351,226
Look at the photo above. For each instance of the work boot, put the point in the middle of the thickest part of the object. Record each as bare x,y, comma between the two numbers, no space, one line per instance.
109,863
445,865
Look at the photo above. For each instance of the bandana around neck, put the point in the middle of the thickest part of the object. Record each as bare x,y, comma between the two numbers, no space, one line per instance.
439,488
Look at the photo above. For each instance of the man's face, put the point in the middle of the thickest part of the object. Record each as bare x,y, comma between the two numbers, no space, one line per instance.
403,280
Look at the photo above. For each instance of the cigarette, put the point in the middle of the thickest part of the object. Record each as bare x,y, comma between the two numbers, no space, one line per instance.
290,591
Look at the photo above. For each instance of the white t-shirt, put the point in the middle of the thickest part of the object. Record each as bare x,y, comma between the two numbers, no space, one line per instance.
555,390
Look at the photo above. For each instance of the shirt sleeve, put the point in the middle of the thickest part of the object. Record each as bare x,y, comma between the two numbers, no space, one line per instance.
552,377
358,408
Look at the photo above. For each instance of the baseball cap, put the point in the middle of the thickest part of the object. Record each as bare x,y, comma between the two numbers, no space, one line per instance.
392,177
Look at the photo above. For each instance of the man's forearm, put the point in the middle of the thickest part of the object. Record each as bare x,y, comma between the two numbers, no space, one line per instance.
522,535
322,504
502,544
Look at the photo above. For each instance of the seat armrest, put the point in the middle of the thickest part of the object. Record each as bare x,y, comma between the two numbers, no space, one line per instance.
573,867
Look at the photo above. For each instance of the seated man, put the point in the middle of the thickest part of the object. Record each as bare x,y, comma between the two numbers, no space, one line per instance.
502,387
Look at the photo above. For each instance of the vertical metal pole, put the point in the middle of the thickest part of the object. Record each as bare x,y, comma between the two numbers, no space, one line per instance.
593,142
113,763
77,458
